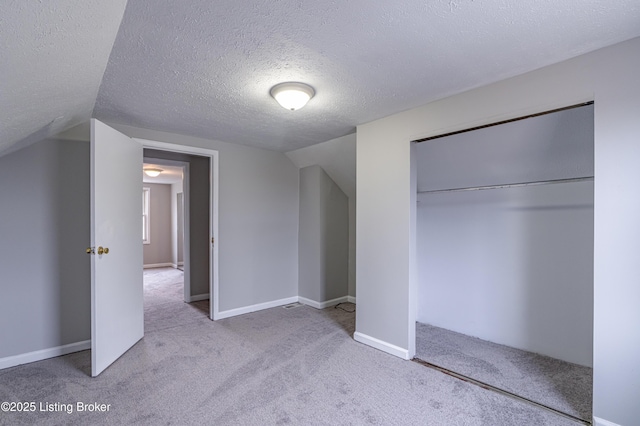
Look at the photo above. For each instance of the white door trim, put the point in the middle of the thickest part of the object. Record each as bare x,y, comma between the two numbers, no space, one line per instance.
213,209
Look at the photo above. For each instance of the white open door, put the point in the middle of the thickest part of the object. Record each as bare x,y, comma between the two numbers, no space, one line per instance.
117,319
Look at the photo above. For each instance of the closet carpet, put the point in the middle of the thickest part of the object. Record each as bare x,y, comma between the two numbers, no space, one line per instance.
557,384
296,366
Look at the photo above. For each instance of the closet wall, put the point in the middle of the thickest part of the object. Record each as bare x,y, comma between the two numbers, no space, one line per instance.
510,265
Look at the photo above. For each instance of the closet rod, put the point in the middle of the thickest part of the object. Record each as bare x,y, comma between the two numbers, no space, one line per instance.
510,185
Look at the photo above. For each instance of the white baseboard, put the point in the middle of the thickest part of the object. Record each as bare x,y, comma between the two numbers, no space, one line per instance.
602,422
176,266
260,306
322,305
351,299
157,265
12,361
198,297
381,345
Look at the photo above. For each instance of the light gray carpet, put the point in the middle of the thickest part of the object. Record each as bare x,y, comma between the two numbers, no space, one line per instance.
558,384
164,305
162,285
295,366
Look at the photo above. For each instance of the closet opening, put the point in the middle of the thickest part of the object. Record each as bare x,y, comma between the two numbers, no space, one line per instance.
504,240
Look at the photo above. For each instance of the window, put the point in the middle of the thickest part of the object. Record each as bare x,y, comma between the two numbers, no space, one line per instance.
145,215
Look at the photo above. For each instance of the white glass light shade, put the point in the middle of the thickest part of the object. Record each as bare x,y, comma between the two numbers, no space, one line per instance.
291,95
153,172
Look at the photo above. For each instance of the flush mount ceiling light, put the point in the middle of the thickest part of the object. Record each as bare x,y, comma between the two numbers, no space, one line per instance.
152,172
292,95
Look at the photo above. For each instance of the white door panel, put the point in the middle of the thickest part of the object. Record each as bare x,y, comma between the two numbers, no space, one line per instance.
117,320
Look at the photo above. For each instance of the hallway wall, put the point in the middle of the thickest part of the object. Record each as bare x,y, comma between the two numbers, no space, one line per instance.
158,251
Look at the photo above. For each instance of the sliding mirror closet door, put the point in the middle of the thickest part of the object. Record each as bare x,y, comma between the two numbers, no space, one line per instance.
505,256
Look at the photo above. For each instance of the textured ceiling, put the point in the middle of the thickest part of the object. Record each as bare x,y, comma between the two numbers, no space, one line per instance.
204,68
52,58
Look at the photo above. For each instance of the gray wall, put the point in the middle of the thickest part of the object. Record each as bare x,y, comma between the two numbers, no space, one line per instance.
198,216
513,266
323,239
159,249
352,246
177,224
510,265
337,157
44,230
386,262
179,215
551,146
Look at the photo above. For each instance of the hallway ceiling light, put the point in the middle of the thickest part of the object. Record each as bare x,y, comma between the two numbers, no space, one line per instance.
153,172
292,95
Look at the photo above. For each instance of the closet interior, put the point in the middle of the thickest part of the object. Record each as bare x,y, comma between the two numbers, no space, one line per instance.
505,257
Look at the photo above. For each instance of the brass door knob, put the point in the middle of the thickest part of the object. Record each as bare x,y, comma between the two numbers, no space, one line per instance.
90,250
103,250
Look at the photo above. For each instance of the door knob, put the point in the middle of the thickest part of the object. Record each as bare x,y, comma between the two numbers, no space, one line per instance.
90,250
103,250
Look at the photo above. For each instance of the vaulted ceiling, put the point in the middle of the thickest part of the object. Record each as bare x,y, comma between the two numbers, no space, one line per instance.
204,68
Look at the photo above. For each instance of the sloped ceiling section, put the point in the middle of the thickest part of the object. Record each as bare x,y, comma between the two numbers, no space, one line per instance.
53,56
337,157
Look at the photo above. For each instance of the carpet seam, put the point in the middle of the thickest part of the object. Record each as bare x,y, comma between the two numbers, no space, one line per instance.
492,388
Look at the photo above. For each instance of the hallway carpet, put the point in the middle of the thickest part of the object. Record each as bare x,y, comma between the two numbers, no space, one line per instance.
164,305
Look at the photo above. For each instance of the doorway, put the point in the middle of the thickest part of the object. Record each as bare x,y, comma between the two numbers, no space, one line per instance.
117,311
163,217
167,296
200,200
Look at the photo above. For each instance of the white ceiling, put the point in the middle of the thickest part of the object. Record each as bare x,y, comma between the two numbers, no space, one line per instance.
204,68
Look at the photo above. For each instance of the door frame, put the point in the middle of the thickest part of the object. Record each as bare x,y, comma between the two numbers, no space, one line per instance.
214,248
